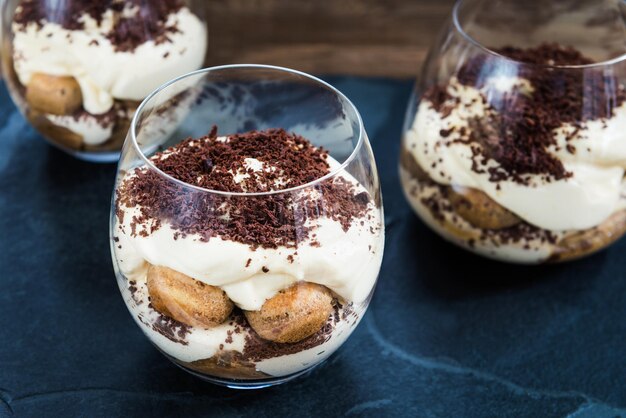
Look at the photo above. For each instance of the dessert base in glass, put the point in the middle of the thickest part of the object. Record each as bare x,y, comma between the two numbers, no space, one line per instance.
513,143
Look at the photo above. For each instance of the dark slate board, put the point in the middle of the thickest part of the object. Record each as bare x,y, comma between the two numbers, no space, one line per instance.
447,335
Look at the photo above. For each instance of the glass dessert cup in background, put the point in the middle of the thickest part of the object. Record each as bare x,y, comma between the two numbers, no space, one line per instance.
247,289
514,143
78,70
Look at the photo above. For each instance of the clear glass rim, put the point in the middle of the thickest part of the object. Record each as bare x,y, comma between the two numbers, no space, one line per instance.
331,174
459,28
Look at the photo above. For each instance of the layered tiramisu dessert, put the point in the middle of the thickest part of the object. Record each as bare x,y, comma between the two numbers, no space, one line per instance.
246,257
79,69
520,155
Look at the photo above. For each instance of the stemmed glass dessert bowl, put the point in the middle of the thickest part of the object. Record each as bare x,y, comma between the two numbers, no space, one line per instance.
77,70
247,223
514,145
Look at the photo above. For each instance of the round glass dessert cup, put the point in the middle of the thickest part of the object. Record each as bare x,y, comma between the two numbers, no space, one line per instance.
77,69
514,144
248,252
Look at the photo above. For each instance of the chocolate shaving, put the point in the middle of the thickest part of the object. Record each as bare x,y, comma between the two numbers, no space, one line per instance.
128,32
518,131
171,329
267,221
148,24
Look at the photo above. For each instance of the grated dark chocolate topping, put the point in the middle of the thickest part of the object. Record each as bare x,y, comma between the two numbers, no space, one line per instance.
267,221
519,131
210,162
171,329
128,32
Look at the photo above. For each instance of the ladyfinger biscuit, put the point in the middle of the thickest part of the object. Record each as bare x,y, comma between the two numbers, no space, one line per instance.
479,209
591,240
187,300
54,95
227,365
293,314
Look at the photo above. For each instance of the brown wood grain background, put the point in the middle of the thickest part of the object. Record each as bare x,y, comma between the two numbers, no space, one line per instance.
357,37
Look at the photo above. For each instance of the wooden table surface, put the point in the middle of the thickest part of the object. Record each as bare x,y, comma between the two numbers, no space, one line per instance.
357,37
386,38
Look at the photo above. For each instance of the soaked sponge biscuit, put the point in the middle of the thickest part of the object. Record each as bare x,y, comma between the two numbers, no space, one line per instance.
54,95
226,364
408,162
479,209
189,301
470,204
293,314
588,241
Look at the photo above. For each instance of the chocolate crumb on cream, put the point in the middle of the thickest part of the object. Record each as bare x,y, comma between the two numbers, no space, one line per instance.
128,32
267,221
171,329
520,131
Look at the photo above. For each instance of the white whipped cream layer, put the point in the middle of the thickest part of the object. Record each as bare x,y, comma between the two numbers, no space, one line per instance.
347,262
582,201
103,73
